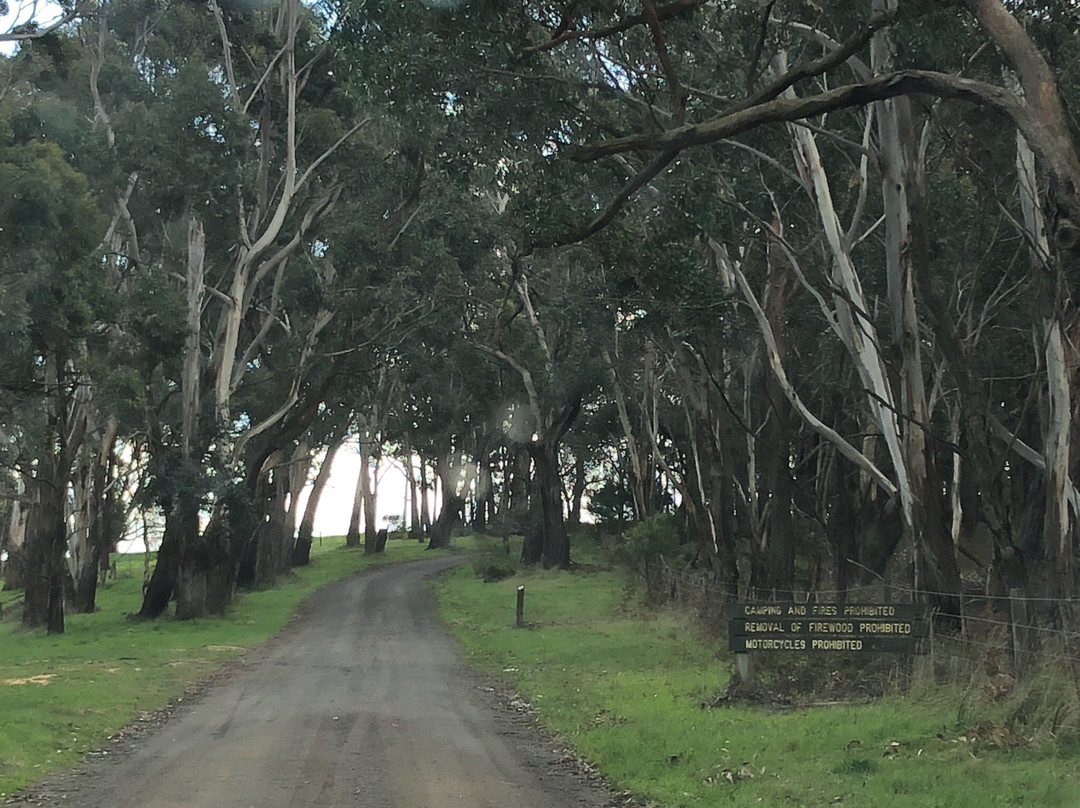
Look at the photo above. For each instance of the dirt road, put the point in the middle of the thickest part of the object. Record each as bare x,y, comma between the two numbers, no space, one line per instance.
362,703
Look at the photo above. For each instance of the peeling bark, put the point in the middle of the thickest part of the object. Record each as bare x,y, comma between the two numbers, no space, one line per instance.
1060,522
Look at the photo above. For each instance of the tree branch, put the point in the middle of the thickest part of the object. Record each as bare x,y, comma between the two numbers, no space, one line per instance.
562,35
679,93
526,378
890,85
226,54
30,30
605,217
829,434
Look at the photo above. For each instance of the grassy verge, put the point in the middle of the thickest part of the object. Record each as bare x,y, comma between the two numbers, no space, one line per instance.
63,696
626,687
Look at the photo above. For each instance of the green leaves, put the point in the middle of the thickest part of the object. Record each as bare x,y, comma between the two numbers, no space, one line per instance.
49,227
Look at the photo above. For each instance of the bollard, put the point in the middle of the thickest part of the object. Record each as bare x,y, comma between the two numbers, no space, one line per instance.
742,667
521,606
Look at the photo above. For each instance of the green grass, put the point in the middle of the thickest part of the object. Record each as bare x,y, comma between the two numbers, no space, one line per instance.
63,696
626,687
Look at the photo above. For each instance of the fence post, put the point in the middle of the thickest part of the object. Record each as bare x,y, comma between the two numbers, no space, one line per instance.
521,606
743,668
1018,619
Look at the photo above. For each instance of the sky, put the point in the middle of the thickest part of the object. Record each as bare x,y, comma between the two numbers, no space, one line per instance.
335,507
332,518
21,12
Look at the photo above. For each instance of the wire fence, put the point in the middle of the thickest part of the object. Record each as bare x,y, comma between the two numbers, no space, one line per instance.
1015,634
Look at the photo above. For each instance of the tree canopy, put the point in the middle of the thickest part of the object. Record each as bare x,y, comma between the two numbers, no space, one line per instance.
801,276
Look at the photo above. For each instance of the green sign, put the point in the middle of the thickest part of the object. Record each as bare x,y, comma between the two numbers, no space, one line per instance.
881,645
900,628
870,611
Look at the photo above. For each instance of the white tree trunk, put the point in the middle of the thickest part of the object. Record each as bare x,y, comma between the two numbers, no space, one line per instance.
189,382
852,324
1060,522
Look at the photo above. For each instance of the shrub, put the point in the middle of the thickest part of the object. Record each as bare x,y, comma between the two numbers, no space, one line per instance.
651,538
495,565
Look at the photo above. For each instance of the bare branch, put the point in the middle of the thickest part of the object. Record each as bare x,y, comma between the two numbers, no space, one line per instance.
322,319
763,32
226,55
29,31
121,209
861,69
526,377
890,85
326,154
523,291
679,93
264,330
262,80
834,58
404,227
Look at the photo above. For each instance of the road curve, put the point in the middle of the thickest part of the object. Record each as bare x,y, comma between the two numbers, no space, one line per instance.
362,703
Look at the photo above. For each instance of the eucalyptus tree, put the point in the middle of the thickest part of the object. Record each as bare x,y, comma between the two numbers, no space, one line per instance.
538,327
197,115
658,61
55,295
135,329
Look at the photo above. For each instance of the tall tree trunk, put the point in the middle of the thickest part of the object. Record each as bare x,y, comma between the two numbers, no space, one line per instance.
182,512
936,564
449,518
15,571
367,485
841,527
270,512
546,541
46,538
1060,522
453,504
517,485
43,597
100,530
416,526
226,536
193,567
295,480
352,537
425,505
483,496
577,494
776,432
302,549
641,471
181,527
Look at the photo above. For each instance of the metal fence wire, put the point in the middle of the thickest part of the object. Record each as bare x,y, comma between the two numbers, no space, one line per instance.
1015,634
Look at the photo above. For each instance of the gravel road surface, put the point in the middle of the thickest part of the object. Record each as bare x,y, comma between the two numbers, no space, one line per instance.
362,702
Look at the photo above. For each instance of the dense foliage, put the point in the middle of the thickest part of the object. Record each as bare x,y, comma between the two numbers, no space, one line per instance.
801,278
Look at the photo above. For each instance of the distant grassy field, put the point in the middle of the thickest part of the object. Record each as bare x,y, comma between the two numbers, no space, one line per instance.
627,687
63,696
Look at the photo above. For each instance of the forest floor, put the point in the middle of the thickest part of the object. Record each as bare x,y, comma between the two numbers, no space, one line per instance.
362,700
